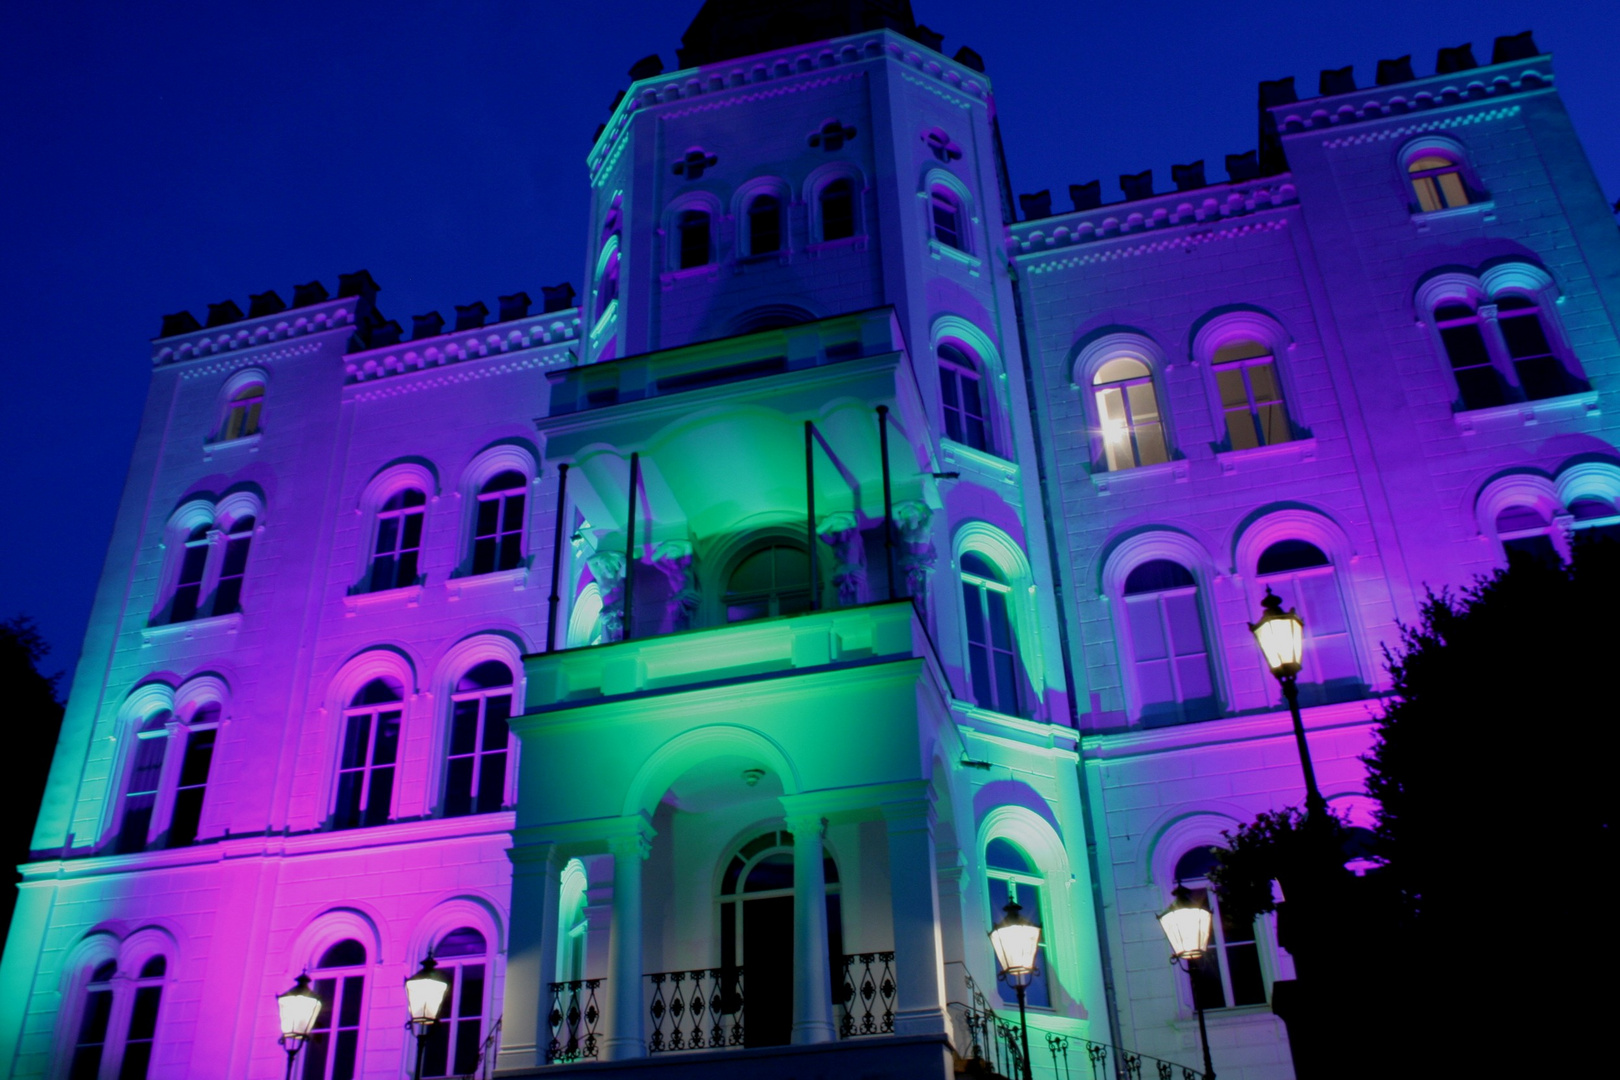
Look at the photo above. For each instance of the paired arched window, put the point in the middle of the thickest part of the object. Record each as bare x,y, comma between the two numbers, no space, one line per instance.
167,778
452,1045
1012,877
397,551
332,1051
694,240
770,580
145,775
1594,518
947,217
1166,642
835,205
1526,533
1496,333
1251,395
242,408
498,524
1303,577
1127,406
992,648
963,399
475,774
765,224
370,751
1437,180
212,563
1229,974
118,1023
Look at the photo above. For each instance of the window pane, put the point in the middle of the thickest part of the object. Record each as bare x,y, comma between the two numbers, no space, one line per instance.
764,225
1452,192
1233,391
1240,429
1243,966
1524,335
464,727
1150,445
838,210
1428,195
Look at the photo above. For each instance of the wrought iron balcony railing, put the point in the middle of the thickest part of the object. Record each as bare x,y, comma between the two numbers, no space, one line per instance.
574,1018
696,1010
864,995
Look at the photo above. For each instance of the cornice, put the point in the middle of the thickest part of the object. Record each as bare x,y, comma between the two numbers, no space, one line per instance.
552,328
1439,123
1184,239
1361,713
1181,211
251,333
1459,89
783,64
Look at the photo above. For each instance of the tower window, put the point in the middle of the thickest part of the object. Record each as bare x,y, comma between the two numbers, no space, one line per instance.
1128,413
692,229
1251,396
242,414
838,210
1539,371
764,226
365,787
192,786
233,567
1477,380
141,793
498,530
961,395
1438,182
946,211
193,564
992,652
399,540
475,780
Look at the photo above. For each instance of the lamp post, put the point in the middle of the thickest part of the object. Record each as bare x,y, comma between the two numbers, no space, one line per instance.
1188,926
1281,635
298,1008
424,992
1016,941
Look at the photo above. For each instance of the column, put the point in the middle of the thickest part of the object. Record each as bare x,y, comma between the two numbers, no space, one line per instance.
531,956
626,1029
812,979
914,898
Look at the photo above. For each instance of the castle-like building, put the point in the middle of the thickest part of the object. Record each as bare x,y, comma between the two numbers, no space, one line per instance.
698,670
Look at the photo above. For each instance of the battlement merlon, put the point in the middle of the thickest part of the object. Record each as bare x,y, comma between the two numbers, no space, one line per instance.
328,315
777,65
1156,215
1431,94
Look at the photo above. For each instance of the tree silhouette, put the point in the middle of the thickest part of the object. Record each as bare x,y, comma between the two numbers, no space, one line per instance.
33,718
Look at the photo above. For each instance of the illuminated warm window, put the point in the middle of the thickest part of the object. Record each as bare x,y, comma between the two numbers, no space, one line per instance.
837,204
692,234
992,650
1251,395
242,414
475,776
332,1051
1012,876
454,1042
962,399
398,546
1438,182
773,580
1128,413
764,225
365,787
498,528
1168,650
1228,975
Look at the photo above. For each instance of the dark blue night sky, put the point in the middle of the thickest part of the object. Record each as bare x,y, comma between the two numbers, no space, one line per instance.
165,156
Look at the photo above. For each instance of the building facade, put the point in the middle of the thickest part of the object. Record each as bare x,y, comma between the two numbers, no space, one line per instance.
697,670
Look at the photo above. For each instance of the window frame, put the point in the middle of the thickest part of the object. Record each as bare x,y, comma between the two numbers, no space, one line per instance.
501,458
344,975
454,968
977,588
1529,292
814,192
1094,390
364,816
202,538
1041,915
1460,164
1004,554
742,211
482,696
970,368
129,959
251,409
1187,990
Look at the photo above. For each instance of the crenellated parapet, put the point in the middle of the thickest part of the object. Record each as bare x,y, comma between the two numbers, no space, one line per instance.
178,347
550,328
1178,211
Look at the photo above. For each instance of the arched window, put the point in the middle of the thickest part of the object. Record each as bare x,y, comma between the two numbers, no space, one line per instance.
1251,395
498,528
233,567
573,927
95,1018
333,1048
945,212
1477,380
191,786
692,234
1228,975
1539,371
992,653
193,567
771,580
1437,181
764,225
1128,413
398,548
1170,662
141,790
756,932
962,398
213,545
607,291
1013,878
118,1025
1303,577
475,777
365,787
1497,332
836,203
1525,533
453,1043
242,412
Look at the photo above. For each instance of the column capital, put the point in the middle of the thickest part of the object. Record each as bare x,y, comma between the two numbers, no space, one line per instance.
633,837
807,823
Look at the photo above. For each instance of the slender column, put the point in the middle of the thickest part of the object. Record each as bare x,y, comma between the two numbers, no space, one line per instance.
630,552
810,513
812,977
626,1030
914,897
888,495
531,956
556,557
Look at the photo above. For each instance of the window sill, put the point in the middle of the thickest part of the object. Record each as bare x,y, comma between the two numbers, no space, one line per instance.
248,444
404,596
823,248
1105,481
185,631
945,251
1528,413
982,463
1424,218
516,578
1296,449
744,263
706,272
1226,1014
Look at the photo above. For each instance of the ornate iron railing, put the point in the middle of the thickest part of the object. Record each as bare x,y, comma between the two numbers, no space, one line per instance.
696,1010
863,995
574,1016
998,1043
488,1050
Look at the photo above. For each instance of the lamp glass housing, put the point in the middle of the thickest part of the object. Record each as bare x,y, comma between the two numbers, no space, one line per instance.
298,1008
425,993
1187,925
1281,635
1017,942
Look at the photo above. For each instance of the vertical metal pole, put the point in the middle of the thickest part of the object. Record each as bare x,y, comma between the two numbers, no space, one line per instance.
421,1049
556,558
1203,1038
630,551
291,1054
1023,1027
810,513
888,497
1315,805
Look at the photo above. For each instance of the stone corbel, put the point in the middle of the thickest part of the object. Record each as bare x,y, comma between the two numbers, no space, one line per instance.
842,533
607,567
673,559
917,555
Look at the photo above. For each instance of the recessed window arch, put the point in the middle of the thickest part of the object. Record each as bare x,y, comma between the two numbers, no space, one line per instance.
496,490
1521,511
242,403
761,207
1590,491
1024,857
396,502
964,398
476,769
1497,331
115,1008
1012,876
690,233
1437,174
573,926
1117,373
948,216
209,544
1162,618
771,578
833,193
369,753
1003,655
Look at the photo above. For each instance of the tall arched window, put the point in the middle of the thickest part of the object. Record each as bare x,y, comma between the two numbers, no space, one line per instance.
242,412
213,544
475,777
573,928
233,567
764,225
453,1043
945,213
1304,578
1170,662
332,1051
962,398
1498,333
992,651
365,787
1228,975
1526,534
1539,371
118,1022
191,786
836,203
692,232
1251,395
141,790
1013,877
771,580
1128,414
1437,181
498,528
398,548
193,566
1477,380
90,1047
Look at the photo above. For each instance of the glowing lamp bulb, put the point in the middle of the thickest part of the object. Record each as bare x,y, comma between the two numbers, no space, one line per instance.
1187,925
299,1008
425,993
1016,941
1281,636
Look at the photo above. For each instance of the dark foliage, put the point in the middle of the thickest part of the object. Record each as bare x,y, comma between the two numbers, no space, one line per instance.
33,718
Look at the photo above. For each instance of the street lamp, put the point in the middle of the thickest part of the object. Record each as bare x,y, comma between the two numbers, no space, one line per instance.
1016,941
424,992
1189,926
298,1009
1281,635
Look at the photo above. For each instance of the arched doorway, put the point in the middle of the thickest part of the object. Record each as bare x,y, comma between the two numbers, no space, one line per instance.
756,934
